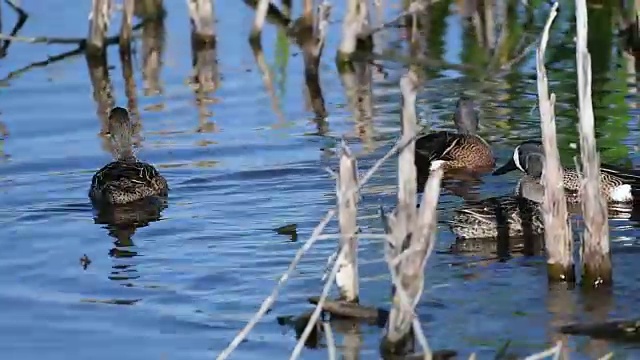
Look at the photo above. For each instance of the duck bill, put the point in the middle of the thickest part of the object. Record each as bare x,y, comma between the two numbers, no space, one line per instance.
508,167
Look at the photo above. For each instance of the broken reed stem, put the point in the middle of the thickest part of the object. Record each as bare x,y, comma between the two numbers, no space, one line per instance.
347,277
258,22
98,26
127,23
596,259
408,277
557,232
266,304
409,232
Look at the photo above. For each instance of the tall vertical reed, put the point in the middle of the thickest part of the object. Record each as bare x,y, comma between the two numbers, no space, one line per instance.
557,233
596,259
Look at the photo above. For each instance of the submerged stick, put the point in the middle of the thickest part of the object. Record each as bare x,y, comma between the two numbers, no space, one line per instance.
596,259
347,276
98,25
557,228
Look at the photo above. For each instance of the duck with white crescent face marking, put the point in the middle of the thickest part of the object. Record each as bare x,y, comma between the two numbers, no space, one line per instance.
616,184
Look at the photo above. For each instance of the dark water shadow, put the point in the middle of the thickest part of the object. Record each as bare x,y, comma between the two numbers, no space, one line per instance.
351,331
121,222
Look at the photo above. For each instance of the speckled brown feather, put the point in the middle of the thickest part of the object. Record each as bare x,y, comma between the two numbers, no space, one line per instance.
121,182
479,219
456,150
608,182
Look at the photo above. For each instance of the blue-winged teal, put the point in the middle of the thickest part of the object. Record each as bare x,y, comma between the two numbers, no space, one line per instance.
616,184
126,179
514,216
463,149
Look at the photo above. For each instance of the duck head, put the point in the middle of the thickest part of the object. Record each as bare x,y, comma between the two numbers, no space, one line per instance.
466,116
121,132
528,157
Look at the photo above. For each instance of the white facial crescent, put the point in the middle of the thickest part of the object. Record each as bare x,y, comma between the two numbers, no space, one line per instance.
516,158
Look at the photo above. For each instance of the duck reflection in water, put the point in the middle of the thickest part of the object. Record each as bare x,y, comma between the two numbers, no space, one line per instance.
121,222
126,193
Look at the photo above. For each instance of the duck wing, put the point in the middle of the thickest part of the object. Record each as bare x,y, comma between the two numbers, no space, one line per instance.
123,173
631,176
493,208
438,145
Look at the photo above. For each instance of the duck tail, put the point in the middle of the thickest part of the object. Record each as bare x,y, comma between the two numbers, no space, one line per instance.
632,176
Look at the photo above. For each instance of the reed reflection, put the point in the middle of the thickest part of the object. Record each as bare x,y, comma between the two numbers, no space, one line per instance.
4,132
309,34
561,307
102,94
153,44
267,79
356,80
596,306
206,78
352,339
130,90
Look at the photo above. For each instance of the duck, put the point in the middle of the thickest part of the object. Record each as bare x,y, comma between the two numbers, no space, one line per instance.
512,215
125,179
617,185
463,149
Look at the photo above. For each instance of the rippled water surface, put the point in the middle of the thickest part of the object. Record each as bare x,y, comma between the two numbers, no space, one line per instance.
242,161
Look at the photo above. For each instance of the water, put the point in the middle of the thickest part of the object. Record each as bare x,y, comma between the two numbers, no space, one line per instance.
183,286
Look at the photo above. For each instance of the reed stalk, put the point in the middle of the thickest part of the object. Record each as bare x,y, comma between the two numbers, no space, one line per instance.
595,255
557,233
411,237
347,276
